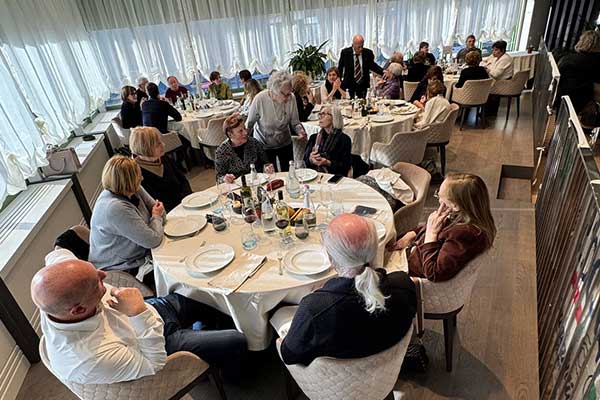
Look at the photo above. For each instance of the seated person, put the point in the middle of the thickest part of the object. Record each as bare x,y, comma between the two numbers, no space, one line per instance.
251,89
396,57
329,150
458,231
469,46
99,334
499,65
390,88
131,113
175,90
434,105
161,179
473,71
429,58
362,311
126,221
234,156
245,76
217,89
142,91
332,87
304,97
417,68
433,73
156,112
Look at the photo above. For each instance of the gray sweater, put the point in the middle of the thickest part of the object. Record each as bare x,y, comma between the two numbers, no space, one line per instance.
122,234
269,127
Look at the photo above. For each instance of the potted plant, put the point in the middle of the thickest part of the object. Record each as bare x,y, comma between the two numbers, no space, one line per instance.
308,58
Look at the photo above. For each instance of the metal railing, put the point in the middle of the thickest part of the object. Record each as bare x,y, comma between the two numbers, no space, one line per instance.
568,263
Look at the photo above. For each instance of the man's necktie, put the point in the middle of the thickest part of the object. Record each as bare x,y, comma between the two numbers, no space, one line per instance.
357,69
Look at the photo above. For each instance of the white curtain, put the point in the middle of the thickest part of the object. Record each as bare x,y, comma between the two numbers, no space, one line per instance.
487,19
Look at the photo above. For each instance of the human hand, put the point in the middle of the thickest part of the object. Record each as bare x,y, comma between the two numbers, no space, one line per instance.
129,301
302,135
337,83
229,178
309,96
436,219
404,242
158,209
387,74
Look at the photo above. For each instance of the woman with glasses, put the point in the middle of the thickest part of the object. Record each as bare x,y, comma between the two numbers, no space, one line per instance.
329,150
131,112
273,118
458,231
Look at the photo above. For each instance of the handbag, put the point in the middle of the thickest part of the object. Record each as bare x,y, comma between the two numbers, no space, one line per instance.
171,141
416,359
60,161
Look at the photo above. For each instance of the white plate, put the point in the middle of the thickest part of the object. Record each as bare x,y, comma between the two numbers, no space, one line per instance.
205,114
262,178
306,174
199,199
184,226
382,118
209,258
395,102
227,107
307,260
226,102
381,231
407,112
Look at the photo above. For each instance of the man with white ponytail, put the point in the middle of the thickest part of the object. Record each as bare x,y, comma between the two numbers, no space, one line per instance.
361,312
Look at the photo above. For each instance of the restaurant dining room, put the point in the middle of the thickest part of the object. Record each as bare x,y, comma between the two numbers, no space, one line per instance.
299,199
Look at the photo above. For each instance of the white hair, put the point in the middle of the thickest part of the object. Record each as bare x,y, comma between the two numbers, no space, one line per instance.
279,79
395,69
336,116
350,257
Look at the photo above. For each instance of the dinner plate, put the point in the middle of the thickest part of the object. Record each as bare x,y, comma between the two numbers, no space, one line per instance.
407,111
183,226
209,258
381,231
382,118
307,260
306,174
199,199
226,107
204,114
262,178
395,102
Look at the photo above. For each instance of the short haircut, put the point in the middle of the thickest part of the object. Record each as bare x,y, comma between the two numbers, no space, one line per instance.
232,122
142,79
121,175
419,57
126,91
172,76
397,57
333,69
471,37
214,76
336,116
395,68
435,71
500,45
435,87
473,58
144,140
278,80
423,44
152,90
245,75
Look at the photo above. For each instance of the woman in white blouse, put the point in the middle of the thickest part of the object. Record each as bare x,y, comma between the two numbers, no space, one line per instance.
332,88
435,108
499,65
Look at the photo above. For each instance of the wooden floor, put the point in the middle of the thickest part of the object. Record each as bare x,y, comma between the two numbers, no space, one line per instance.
496,343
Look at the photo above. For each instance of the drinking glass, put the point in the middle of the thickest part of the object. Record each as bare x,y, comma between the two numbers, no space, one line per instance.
249,239
326,198
269,170
301,230
219,222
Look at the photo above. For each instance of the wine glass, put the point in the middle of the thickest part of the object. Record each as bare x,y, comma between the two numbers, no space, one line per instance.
269,170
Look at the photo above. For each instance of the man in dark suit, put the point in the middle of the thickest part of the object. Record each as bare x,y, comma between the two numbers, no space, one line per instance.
156,112
355,65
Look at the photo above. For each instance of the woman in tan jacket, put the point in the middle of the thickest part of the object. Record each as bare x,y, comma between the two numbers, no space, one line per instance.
458,231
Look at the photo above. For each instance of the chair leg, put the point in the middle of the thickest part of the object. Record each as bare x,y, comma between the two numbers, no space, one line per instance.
462,118
508,106
216,380
483,117
449,341
442,150
518,105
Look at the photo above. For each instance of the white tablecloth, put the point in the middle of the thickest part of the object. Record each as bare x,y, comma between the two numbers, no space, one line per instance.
250,305
191,123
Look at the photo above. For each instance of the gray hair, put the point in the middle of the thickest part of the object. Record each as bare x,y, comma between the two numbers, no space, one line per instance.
336,116
397,57
350,257
278,80
395,69
142,79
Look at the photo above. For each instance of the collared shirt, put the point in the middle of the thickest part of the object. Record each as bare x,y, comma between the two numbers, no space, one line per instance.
106,348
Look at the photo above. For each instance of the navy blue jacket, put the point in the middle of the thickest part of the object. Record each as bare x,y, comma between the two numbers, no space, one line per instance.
156,113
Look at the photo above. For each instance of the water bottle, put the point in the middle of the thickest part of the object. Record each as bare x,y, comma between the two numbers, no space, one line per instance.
253,175
293,184
311,216
267,215
356,114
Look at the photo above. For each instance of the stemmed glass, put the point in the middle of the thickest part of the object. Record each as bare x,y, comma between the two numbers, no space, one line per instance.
326,199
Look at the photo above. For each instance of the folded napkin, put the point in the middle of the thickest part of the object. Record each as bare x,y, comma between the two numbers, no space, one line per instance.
231,277
390,182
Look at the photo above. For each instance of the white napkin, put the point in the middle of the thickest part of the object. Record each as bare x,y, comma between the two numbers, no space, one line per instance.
228,280
390,182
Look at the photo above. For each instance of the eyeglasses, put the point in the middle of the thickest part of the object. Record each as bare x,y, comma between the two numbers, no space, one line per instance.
322,114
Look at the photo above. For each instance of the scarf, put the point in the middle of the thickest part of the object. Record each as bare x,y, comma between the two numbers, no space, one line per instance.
155,167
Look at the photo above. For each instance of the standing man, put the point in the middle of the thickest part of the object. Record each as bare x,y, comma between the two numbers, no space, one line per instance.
355,65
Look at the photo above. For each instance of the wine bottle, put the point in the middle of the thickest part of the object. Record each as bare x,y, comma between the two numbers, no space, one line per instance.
246,194
283,216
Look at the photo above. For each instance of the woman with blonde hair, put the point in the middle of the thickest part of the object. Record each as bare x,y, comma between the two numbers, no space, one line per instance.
305,101
126,221
458,231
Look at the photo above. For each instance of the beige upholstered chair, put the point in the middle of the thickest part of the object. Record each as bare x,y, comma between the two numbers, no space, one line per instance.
367,378
404,146
474,93
409,89
444,300
440,133
511,88
180,374
299,146
211,137
122,133
408,217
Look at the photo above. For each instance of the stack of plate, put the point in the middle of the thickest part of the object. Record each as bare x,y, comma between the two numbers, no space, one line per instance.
307,260
179,227
208,259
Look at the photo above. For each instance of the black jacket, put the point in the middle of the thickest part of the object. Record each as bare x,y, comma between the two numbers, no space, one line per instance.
470,74
346,67
332,321
156,113
303,110
578,73
131,115
338,151
171,188
416,72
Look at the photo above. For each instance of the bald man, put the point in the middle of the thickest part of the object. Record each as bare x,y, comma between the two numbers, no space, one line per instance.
355,65
95,333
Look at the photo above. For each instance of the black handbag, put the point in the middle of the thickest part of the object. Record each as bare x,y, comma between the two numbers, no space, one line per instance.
416,359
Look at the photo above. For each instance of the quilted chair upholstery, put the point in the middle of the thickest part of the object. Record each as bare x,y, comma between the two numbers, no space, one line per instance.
211,137
124,279
367,378
180,374
122,133
440,133
510,88
299,146
409,89
404,146
474,93
408,217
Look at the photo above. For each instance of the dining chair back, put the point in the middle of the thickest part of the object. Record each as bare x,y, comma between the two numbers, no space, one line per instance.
409,216
212,136
122,133
409,89
474,93
404,146
511,88
440,133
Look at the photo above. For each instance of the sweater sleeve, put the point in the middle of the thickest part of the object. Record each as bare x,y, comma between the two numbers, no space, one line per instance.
253,115
128,223
173,113
294,116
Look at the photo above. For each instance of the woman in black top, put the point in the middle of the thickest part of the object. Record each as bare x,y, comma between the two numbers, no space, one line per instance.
332,88
304,97
433,73
131,113
161,179
473,71
417,68
329,150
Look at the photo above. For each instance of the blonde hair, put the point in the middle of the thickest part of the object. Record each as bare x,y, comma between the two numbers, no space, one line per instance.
121,175
589,42
299,83
144,140
470,194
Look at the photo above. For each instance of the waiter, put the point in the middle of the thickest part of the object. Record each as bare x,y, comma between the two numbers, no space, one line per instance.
355,65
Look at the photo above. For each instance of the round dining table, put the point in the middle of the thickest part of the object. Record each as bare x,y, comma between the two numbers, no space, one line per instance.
248,300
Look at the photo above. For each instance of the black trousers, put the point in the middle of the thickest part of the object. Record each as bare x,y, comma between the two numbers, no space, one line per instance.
285,155
360,92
